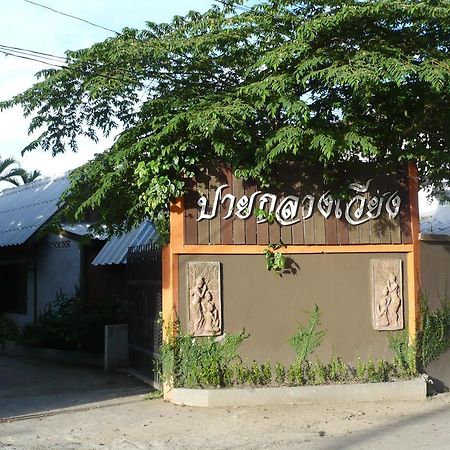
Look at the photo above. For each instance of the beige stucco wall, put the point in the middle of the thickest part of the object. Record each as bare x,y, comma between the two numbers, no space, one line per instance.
435,263
269,307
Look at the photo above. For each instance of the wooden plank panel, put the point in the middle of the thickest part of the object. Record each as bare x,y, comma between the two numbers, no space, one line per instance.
396,235
203,225
331,237
342,231
250,223
298,235
286,235
319,228
262,233
214,223
274,232
238,224
226,236
190,218
308,228
405,216
374,231
364,233
385,231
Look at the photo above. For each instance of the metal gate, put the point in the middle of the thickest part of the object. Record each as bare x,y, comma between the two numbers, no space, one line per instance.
144,310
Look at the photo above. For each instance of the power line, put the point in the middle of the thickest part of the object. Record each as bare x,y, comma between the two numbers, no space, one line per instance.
229,3
27,52
6,53
34,55
74,17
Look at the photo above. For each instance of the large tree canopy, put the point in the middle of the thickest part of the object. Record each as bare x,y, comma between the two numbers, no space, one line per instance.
310,81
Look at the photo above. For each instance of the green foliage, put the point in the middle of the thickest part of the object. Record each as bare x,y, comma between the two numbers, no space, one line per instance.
280,374
201,362
307,338
360,370
262,214
434,337
242,374
337,370
74,323
405,356
275,260
259,374
8,329
156,394
319,372
295,374
336,81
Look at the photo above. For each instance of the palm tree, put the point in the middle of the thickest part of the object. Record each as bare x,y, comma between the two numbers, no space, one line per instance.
24,177
9,169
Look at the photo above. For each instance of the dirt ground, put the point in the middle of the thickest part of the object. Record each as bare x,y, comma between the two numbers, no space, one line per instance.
133,420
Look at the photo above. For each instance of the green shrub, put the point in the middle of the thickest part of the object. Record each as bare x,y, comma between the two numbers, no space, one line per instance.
404,362
280,374
337,370
202,361
8,329
434,337
75,323
319,373
360,370
307,338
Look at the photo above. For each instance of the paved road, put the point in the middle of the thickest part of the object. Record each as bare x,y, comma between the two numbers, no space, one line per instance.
30,386
138,422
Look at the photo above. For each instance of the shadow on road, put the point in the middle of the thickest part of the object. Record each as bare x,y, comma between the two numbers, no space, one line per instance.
30,386
394,435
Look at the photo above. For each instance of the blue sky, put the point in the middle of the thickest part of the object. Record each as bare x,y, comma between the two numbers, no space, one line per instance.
31,27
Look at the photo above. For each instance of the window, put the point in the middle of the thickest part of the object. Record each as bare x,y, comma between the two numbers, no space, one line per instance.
13,288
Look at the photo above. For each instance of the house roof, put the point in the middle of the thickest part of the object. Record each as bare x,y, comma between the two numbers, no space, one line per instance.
434,216
115,250
24,209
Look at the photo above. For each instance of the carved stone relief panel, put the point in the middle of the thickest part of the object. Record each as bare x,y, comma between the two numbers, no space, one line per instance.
387,294
205,302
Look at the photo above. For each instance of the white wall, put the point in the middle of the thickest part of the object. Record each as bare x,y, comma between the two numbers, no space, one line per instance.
58,268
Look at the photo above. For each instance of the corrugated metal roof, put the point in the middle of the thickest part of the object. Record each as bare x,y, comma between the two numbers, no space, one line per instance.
434,215
115,250
83,229
24,209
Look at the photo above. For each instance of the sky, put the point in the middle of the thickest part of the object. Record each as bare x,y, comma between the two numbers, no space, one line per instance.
32,27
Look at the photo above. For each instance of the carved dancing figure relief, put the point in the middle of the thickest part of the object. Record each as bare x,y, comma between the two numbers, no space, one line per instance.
387,300
393,290
204,299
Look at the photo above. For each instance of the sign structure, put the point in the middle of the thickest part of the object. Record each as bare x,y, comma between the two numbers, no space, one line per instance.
289,210
387,294
205,302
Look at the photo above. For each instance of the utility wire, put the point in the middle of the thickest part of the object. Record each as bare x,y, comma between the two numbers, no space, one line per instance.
74,17
32,51
34,55
229,3
6,53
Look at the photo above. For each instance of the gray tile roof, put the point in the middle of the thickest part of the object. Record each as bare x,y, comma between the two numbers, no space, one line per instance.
24,209
115,250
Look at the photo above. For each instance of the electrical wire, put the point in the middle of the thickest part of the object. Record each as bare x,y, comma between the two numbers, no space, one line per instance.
6,53
41,54
73,17
228,3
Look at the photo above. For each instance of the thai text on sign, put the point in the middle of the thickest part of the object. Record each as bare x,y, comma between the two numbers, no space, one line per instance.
291,209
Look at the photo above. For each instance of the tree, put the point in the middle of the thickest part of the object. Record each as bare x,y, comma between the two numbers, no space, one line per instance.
24,177
9,170
322,81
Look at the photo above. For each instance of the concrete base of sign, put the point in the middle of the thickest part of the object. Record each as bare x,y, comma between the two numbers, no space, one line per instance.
415,389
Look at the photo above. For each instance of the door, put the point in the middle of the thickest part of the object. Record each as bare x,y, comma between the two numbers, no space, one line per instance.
144,311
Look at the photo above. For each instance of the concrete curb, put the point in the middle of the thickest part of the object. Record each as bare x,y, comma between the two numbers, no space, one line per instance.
415,389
